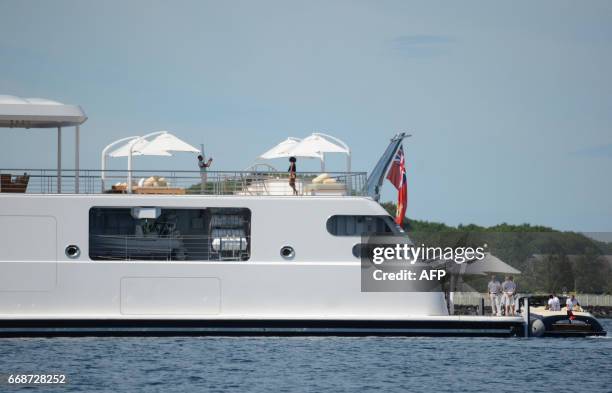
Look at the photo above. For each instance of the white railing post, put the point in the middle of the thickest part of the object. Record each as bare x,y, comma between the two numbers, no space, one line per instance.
129,174
77,141
59,160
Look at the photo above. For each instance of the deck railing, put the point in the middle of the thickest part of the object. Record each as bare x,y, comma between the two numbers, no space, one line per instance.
45,181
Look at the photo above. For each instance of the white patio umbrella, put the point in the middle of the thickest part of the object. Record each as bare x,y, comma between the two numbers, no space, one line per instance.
283,150
163,144
319,144
124,151
139,145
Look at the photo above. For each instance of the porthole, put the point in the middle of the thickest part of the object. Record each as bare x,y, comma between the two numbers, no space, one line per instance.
287,252
73,251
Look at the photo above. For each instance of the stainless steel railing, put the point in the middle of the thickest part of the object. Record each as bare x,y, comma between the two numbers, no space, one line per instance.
45,181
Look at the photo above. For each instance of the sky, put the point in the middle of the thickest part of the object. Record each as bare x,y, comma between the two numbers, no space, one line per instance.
509,103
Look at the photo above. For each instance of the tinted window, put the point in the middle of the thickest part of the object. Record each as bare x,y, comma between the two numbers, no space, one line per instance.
150,233
361,225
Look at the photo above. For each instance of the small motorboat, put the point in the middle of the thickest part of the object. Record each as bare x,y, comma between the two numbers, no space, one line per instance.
548,323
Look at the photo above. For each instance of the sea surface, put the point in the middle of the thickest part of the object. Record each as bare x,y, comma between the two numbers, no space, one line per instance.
313,364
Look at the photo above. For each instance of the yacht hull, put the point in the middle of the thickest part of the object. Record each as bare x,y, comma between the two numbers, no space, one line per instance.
316,291
443,326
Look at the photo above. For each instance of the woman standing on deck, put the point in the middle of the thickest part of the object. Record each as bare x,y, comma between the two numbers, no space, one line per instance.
292,174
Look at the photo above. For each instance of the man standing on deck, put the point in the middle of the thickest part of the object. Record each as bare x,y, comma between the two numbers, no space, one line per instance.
203,174
509,289
554,304
494,288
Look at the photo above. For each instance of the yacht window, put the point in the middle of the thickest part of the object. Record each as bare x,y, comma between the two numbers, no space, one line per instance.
160,234
361,225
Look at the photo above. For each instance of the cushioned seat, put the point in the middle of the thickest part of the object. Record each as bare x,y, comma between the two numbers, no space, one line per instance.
336,189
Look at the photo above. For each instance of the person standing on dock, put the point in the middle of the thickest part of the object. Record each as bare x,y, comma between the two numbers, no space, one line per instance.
509,289
495,289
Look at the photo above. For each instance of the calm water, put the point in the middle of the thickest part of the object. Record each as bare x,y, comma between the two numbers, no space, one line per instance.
315,364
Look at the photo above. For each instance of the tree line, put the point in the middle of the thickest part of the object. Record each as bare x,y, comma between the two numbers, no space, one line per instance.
549,260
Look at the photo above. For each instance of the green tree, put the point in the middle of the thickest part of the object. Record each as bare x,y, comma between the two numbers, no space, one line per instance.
549,260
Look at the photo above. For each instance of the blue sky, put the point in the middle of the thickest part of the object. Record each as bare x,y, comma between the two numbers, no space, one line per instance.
510,104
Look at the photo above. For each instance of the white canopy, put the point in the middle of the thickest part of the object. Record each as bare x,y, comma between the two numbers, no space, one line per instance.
319,144
17,112
313,146
283,150
139,145
163,144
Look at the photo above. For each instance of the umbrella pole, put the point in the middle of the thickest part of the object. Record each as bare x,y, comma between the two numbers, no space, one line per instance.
105,157
132,144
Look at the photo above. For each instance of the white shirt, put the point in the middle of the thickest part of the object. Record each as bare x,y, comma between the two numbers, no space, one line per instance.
571,303
509,286
494,287
553,304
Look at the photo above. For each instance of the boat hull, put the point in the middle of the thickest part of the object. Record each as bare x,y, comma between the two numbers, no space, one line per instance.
443,326
559,325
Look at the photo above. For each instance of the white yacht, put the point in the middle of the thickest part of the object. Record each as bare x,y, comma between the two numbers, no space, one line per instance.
234,256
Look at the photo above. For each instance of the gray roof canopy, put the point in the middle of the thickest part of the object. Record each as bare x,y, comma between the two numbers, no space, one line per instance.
18,112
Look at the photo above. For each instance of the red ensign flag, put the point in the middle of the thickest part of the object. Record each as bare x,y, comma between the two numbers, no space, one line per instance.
397,176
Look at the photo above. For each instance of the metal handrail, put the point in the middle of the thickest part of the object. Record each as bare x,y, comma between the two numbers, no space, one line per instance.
54,171
179,182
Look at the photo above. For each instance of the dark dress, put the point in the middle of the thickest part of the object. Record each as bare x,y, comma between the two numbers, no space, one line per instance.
292,169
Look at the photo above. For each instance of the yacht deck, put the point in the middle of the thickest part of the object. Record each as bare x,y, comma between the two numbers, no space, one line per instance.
163,182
